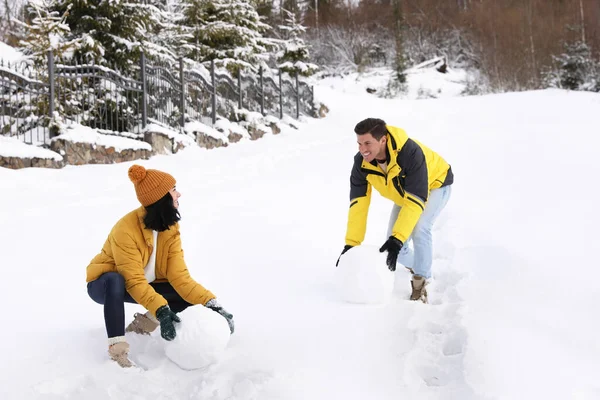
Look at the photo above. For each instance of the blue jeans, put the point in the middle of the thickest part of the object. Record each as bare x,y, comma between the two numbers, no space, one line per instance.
109,290
421,258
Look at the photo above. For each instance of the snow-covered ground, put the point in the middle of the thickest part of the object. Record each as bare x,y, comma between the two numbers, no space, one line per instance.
514,301
422,82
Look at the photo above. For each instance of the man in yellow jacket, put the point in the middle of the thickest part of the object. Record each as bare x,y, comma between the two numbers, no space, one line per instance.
142,262
416,179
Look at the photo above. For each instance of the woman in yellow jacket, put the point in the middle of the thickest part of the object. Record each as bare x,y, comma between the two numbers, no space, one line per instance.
142,262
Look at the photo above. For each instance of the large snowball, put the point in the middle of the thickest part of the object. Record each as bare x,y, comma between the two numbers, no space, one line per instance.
362,276
201,338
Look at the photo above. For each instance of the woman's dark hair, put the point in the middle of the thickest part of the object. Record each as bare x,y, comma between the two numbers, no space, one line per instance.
162,214
374,126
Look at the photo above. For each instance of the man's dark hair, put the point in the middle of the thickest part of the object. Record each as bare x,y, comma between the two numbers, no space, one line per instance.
162,214
374,126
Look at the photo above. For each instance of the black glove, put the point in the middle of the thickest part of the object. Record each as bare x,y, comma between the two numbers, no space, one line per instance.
393,247
166,317
213,305
346,248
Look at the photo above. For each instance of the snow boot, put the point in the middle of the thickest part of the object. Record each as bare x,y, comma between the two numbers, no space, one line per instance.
119,352
419,290
143,324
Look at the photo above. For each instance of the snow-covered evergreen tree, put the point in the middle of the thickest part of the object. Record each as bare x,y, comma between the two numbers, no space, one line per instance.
48,30
192,24
11,31
268,10
170,35
575,69
293,57
113,32
229,32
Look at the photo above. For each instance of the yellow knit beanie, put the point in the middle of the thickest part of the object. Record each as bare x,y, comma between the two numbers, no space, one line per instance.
150,184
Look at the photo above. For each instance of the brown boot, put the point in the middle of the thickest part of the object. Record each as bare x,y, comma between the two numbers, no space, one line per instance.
119,352
144,324
419,291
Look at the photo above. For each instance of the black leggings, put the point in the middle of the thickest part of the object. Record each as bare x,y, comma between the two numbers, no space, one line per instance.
109,289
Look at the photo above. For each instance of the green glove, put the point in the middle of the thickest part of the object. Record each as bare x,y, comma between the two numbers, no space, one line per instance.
166,317
213,305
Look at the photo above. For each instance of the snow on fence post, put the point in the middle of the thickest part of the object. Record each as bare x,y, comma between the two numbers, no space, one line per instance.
214,92
144,91
240,103
262,92
280,97
297,97
182,105
51,91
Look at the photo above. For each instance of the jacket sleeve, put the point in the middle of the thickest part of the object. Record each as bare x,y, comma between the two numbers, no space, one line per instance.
179,276
414,188
360,199
128,260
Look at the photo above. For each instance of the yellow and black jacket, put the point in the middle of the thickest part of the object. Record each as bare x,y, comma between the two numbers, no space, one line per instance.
413,171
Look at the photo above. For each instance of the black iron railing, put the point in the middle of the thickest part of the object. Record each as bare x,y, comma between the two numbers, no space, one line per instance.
105,99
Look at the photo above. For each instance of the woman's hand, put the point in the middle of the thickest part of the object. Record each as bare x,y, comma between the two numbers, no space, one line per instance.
215,306
167,318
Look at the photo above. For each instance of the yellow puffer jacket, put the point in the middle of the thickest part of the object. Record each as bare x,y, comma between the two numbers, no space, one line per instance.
127,251
413,170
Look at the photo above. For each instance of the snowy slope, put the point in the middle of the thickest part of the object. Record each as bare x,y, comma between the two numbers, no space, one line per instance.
515,294
422,83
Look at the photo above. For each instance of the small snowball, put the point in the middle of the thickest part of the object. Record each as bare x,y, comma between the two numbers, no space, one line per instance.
363,277
202,336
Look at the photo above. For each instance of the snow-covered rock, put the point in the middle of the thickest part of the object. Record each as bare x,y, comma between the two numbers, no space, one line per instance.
362,276
202,336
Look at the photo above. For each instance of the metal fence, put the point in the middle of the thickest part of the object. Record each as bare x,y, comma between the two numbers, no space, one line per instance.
103,98
23,96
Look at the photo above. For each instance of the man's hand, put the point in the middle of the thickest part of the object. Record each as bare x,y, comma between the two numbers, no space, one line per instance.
346,248
393,247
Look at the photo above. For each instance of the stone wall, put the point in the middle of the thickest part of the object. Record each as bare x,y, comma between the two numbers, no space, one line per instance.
178,146
275,128
255,132
161,144
234,137
18,163
209,142
86,153
322,111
